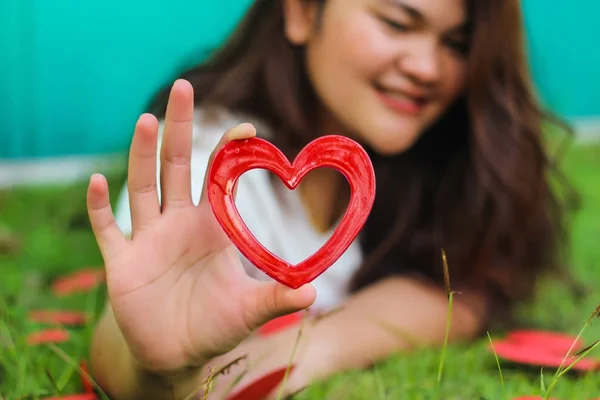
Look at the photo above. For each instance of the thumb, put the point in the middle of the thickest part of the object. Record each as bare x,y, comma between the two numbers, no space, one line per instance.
272,300
242,131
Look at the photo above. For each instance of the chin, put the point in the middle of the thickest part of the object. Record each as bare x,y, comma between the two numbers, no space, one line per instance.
389,142
391,147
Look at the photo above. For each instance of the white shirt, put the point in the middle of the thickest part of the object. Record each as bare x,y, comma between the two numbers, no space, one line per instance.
274,214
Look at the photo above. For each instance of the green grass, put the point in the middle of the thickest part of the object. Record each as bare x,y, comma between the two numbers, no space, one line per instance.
54,238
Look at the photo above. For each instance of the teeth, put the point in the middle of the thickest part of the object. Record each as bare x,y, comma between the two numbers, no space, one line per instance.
401,96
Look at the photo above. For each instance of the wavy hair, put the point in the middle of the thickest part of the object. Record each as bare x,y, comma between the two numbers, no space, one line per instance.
476,184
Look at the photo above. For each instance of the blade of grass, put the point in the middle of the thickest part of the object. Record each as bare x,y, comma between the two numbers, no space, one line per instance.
69,360
379,383
23,362
245,372
588,322
291,361
65,377
234,384
561,371
208,383
224,371
580,352
9,344
542,382
585,353
444,347
499,368
52,381
448,319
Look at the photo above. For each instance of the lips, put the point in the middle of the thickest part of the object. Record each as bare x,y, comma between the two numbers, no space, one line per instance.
402,101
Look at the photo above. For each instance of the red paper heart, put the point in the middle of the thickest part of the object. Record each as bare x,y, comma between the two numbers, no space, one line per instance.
260,388
533,398
88,387
279,324
541,398
56,317
48,336
338,152
80,396
80,281
550,341
524,354
545,349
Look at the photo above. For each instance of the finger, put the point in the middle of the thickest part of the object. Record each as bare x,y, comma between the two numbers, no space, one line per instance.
141,178
240,132
271,300
176,151
111,240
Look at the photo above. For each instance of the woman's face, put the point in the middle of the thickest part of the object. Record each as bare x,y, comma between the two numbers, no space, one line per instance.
385,70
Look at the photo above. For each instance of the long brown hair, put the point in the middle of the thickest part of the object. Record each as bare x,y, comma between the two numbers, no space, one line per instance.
476,184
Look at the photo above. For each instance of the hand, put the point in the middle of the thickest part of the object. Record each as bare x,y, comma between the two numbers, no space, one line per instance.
177,288
257,357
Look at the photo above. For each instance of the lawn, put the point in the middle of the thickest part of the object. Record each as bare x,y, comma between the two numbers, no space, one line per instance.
54,238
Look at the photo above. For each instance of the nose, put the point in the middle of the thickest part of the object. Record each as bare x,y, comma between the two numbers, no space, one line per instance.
421,62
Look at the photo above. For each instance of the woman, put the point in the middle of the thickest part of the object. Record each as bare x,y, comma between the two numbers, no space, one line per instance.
438,94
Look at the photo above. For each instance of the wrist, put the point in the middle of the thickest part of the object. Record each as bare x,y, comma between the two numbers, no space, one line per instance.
169,385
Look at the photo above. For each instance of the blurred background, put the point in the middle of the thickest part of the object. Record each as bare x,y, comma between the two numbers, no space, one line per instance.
75,75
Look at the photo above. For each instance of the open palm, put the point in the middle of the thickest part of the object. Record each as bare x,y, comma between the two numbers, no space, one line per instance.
177,288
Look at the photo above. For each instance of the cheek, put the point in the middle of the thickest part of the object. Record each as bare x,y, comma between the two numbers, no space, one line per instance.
356,46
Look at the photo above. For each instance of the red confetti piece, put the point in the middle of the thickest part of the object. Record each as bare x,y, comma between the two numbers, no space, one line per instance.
56,317
260,388
80,281
533,398
540,398
544,349
48,336
557,342
279,324
79,396
85,381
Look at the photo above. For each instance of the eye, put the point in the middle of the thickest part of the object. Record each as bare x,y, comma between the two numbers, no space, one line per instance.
459,46
394,25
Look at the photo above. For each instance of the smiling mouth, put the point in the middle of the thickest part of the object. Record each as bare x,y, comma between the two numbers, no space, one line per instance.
401,102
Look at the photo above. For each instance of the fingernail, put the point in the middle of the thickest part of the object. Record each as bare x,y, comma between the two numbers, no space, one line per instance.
246,125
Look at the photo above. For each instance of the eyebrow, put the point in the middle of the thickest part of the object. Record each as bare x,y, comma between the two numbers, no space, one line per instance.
413,12
416,14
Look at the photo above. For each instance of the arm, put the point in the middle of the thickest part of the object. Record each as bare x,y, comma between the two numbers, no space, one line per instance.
374,315
121,377
412,307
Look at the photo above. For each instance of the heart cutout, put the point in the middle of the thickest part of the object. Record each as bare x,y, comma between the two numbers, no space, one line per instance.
339,152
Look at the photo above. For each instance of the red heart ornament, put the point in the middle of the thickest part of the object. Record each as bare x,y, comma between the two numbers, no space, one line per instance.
339,152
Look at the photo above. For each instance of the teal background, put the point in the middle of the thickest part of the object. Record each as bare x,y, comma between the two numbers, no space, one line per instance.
75,75
564,52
